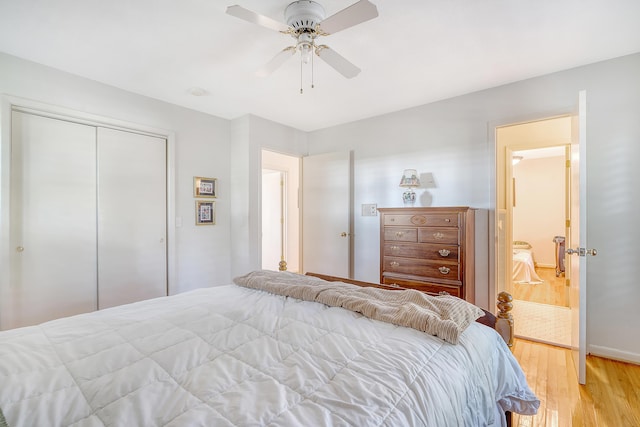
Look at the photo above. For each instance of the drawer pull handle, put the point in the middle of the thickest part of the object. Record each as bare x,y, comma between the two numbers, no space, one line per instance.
442,293
444,270
399,233
438,236
394,285
444,252
447,220
394,264
394,248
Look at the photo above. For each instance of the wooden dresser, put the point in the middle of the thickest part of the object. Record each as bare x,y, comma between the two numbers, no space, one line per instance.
429,249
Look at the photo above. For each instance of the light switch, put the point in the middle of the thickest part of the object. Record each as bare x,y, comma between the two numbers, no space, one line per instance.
370,209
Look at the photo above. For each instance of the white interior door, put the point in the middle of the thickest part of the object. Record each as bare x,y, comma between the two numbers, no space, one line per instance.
326,214
272,219
132,217
53,220
576,263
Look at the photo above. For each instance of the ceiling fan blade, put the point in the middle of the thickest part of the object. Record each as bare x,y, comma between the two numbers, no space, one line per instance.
247,15
355,14
276,62
335,60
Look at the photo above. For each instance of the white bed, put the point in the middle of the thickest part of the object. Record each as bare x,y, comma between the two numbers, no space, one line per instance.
524,269
232,356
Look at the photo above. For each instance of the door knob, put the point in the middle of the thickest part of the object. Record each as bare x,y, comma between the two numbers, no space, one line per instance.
19,249
582,251
343,234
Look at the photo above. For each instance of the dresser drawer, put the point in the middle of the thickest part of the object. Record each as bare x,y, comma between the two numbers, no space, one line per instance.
426,219
401,234
438,235
433,288
419,267
436,252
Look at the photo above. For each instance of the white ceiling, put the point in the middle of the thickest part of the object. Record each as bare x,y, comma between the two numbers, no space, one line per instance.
415,52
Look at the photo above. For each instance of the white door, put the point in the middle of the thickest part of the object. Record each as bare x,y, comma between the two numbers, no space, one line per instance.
273,220
576,262
132,217
326,214
53,220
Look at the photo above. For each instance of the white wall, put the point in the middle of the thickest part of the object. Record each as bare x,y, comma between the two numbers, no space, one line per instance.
454,140
201,149
539,212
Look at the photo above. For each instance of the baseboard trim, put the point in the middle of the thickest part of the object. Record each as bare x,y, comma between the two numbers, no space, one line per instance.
540,265
612,353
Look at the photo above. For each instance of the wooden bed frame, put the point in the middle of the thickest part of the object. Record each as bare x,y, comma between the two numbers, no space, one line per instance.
502,323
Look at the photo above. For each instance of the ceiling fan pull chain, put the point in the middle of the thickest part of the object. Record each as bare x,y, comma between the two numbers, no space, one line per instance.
312,55
301,63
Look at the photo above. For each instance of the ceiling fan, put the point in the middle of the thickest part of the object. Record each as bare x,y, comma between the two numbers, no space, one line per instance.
305,21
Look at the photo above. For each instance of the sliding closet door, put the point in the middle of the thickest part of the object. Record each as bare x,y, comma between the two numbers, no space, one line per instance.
132,217
53,220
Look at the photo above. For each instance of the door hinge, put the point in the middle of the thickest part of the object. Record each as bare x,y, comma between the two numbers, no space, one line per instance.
567,223
568,163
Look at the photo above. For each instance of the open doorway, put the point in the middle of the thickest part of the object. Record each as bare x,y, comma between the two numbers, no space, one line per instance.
280,212
538,225
532,212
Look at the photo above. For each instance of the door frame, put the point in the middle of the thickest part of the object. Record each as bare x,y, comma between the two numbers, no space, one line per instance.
9,103
291,194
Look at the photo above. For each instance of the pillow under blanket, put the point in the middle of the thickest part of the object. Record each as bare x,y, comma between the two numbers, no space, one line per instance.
444,316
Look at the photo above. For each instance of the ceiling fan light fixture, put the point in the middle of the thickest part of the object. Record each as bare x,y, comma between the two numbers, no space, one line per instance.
305,46
305,52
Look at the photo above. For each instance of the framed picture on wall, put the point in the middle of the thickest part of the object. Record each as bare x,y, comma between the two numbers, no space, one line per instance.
205,212
205,187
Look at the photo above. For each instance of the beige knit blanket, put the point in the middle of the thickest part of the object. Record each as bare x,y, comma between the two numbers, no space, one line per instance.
443,316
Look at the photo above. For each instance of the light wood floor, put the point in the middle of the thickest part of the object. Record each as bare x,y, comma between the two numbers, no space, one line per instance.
552,291
611,396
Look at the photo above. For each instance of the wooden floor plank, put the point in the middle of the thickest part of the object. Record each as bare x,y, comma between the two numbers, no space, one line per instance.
552,290
611,396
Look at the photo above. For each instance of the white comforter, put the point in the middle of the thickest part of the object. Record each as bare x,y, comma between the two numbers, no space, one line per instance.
228,356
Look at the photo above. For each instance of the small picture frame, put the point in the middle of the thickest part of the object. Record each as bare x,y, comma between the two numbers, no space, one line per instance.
205,187
205,212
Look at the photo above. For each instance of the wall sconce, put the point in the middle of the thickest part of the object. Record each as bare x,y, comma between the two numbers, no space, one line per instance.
409,181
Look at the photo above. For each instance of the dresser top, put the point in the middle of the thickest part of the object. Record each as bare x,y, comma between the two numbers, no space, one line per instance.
426,209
